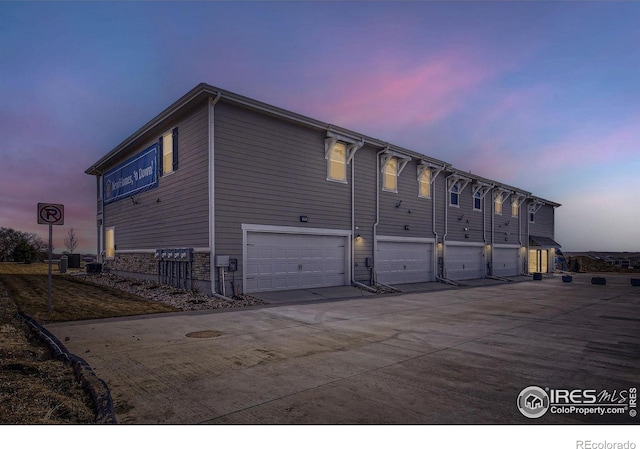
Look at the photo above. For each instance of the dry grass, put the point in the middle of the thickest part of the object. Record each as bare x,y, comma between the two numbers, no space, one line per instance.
72,299
34,389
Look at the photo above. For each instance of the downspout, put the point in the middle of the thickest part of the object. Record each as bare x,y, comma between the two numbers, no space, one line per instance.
527,255
493,218
375,225
101,211
353,213
520,236
484,227
446,226
212,217
435,232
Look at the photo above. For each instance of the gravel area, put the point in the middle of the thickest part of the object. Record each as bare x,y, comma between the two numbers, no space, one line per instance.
178,298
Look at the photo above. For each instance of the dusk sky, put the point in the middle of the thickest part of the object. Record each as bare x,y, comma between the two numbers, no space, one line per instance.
544,96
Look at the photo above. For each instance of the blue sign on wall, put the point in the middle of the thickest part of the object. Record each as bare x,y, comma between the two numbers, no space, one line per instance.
136,175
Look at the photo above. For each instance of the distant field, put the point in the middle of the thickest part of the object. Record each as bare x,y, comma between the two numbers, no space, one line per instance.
72,298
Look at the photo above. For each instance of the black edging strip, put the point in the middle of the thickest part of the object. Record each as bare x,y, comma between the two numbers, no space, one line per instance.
96,387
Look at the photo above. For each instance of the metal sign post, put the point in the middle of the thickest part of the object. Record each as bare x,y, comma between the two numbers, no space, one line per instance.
50,214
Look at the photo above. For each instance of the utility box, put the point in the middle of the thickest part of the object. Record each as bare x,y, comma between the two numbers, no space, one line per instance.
222,261
73,260
62,264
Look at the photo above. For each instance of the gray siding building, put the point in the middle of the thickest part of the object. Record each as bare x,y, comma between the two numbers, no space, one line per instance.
230,195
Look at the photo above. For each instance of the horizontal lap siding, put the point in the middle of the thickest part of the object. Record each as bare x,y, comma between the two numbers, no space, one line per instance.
365,209
464,217
394,219
441,199
180,218
505,226
270,172
544,222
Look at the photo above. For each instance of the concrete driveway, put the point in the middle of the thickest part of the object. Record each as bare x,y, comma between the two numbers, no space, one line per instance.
445,356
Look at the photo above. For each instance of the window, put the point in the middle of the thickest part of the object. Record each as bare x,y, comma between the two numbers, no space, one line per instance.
454,195
424,183
110,243
477,200
337,162
532,216
168,152
515,208
390,182
498,204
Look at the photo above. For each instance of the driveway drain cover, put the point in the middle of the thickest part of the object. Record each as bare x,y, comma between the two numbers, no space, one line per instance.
204,334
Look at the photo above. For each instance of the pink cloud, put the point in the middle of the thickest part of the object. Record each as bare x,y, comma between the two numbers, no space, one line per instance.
593,147
386,91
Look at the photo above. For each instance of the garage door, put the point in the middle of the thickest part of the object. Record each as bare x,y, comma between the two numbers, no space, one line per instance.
404,262
505,261
290,261
464,262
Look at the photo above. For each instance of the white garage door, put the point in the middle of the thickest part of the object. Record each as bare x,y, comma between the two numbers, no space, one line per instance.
464,262
505,261
404,262
290,261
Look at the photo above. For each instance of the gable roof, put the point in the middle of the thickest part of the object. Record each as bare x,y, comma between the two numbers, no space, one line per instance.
203,92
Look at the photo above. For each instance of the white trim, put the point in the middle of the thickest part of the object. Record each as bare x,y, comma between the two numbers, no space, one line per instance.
329,147
473,199
294,230
393,238
507,246
385,162
421,170
451,192
455,243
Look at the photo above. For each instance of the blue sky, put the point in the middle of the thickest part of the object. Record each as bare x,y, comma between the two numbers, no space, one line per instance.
541,95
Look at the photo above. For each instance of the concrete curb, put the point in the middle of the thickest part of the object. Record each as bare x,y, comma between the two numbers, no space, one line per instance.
97,388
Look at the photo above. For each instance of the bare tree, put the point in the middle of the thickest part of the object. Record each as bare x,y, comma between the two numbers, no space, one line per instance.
71,241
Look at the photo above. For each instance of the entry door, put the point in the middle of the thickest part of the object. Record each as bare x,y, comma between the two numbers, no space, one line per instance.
538,261
404,262
464,262
280,261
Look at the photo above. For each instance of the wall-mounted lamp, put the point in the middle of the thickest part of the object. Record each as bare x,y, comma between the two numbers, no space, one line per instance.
406,227
133,200
399,203
358,238
158,200
409,210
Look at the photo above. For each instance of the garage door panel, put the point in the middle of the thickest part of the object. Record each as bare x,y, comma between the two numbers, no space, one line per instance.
279,261
506,261
404,262
464,262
